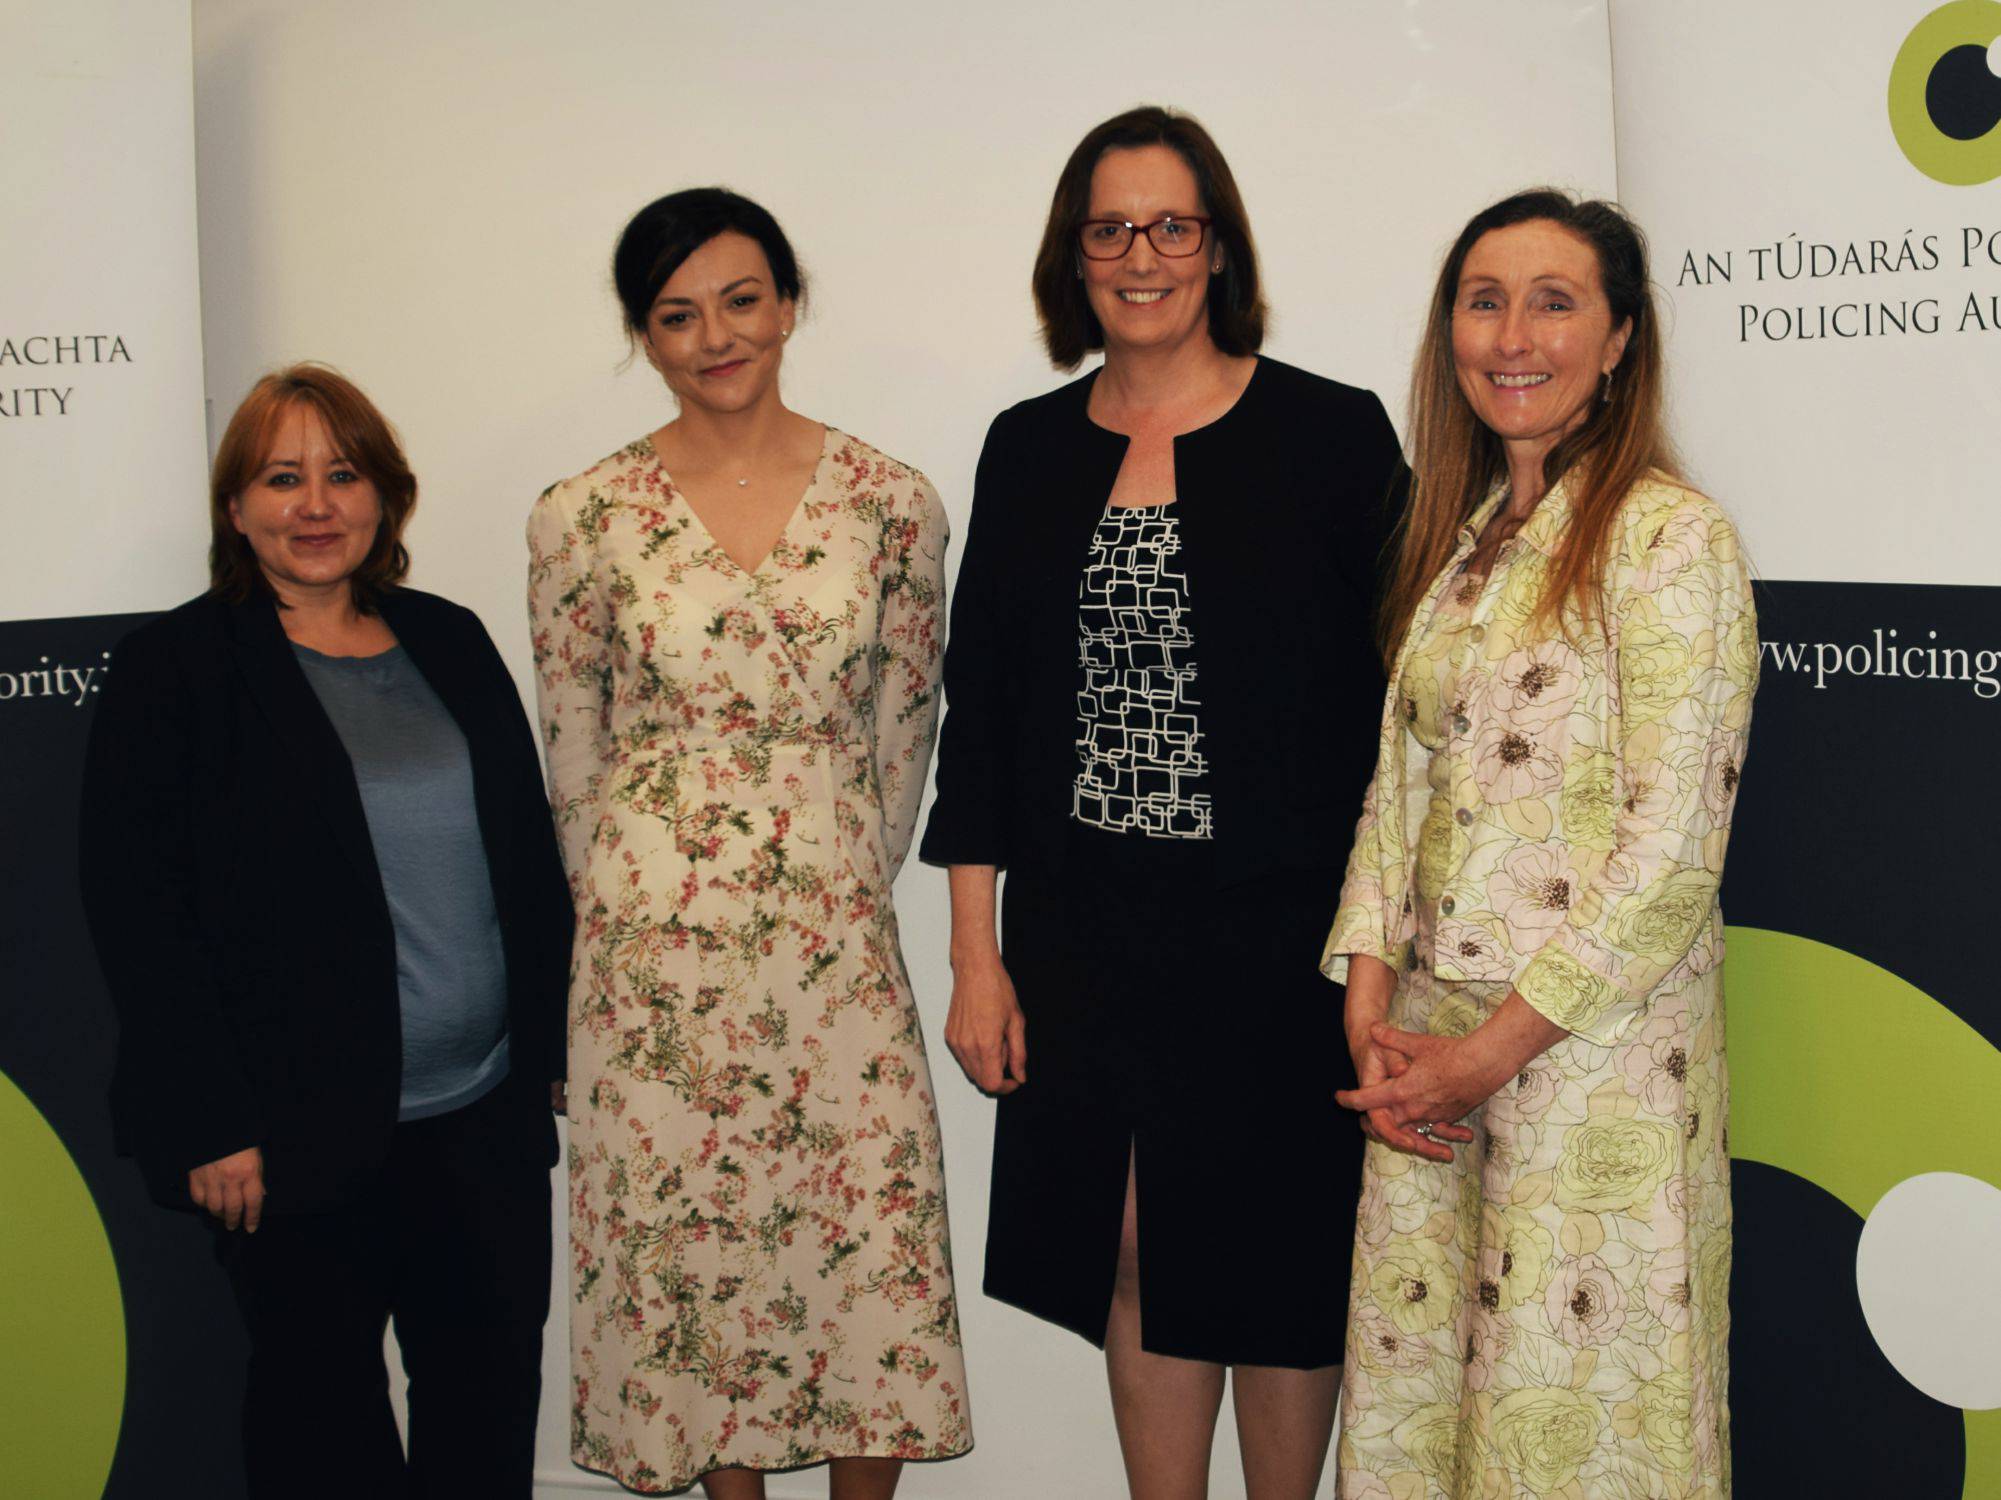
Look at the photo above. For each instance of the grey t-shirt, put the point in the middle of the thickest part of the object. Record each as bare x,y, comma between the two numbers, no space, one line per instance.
415,776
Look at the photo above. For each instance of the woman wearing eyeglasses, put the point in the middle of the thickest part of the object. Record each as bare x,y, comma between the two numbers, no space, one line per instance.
1160,698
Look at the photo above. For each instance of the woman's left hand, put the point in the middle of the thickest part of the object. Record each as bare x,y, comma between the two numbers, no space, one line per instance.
559,1096
1446,1079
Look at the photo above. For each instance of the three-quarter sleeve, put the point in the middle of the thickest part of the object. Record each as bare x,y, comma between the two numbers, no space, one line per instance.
969,817
192,1101
1358,920
910,646
570,625
1687,663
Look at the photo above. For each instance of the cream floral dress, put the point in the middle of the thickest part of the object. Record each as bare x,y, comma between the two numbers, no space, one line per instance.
1548,1316
760,1265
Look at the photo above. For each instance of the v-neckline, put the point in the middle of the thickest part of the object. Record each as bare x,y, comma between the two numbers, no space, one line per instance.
784,531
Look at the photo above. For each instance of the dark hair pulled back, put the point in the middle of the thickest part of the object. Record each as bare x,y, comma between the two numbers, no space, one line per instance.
670,229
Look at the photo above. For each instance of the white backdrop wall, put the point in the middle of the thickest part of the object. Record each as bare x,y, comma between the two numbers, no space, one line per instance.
100,337
427,196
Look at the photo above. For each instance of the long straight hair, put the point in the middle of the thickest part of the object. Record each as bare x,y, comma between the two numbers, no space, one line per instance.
1456,459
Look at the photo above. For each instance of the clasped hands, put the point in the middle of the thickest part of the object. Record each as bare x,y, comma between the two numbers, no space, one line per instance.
1407,1079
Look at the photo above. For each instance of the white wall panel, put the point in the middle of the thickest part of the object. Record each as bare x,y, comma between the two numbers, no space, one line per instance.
427,195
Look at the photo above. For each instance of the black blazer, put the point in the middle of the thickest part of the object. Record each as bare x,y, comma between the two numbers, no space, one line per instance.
1285,505
233,897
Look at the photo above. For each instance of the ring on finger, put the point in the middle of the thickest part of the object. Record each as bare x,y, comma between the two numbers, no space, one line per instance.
1423,1130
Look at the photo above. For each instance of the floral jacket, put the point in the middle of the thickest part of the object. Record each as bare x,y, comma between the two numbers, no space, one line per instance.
1594,774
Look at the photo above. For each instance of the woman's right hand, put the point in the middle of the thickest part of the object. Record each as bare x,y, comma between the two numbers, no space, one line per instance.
985,1028
231,1188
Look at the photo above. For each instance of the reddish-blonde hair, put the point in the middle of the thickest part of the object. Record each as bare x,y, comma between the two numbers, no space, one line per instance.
1455,459
360,433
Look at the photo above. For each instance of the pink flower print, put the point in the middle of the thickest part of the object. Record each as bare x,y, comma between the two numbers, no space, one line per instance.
1387,1347
1533,1091
1477,949
1489,1336
1707,1453
1667,1289
1509,765
1585,1304
1536,686
1668,542
1719,776
1532,892
1651,789
1655,1063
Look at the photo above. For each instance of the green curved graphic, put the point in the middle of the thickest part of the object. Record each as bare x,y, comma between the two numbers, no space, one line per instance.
1961,163
1843,1074
62,1320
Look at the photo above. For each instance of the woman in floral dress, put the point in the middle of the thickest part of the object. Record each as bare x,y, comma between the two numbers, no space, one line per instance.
1528,928
737,631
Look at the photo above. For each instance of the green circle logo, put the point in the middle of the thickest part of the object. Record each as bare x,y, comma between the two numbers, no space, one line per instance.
1815,1036
1945,93
62,1320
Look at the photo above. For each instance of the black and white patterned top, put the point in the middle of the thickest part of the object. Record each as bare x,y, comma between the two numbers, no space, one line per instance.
1140,765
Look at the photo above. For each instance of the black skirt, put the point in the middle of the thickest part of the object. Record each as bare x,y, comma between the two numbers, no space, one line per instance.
1188,1029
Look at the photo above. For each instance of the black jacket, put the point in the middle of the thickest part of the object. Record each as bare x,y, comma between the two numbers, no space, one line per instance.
233,897
1284,505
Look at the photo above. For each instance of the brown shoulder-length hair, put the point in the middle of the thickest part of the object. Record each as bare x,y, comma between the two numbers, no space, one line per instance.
1237,310
1456,459
361,435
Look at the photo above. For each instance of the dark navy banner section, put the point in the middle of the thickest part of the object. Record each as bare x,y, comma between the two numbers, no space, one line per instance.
176,1413
1863,1025
1871,801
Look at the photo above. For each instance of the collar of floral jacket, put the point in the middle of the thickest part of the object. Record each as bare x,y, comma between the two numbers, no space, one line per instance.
1544,528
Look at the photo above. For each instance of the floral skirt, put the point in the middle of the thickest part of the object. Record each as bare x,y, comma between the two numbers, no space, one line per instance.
1548,1315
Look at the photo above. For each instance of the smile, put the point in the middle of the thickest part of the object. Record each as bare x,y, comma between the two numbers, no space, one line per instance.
318,539
1143,299
1517,382
726,369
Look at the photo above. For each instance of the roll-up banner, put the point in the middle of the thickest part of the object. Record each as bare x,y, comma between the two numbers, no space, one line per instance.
1822,187
120,1364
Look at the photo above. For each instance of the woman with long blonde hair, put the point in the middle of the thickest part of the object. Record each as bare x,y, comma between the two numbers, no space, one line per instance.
1528,928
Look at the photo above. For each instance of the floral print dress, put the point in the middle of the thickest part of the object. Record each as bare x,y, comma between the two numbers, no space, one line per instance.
1547,1316
760,1268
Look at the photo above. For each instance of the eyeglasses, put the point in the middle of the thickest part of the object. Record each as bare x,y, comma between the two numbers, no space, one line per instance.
1173,235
